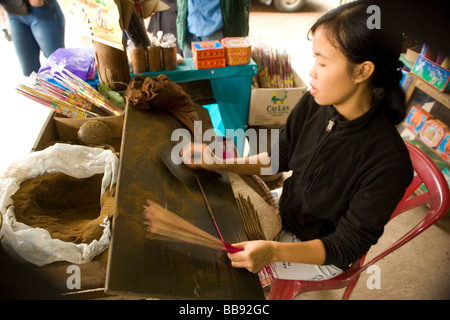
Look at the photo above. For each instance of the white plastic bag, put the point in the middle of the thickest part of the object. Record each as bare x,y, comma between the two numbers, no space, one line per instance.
35,245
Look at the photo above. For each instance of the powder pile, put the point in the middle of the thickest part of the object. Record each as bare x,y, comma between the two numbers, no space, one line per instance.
68,208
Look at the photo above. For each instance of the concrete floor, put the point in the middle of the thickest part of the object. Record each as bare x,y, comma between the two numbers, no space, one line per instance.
419,270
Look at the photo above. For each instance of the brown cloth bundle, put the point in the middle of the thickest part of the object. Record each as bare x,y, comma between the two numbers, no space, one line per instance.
162,93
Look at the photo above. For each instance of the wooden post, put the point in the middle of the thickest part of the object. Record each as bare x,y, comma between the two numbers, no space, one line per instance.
112,66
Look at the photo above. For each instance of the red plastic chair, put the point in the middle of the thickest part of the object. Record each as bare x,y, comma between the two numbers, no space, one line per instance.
437,199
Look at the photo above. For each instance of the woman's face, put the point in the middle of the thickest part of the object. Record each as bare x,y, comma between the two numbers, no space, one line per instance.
331,83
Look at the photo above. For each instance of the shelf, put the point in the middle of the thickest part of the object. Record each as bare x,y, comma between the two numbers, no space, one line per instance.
421,92
419,83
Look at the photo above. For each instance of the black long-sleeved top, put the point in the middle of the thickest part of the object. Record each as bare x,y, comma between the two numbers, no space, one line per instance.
348,177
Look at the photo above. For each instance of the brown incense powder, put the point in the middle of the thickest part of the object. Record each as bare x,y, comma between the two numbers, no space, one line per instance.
68,208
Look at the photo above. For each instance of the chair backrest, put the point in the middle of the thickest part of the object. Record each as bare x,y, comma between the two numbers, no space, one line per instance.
436,196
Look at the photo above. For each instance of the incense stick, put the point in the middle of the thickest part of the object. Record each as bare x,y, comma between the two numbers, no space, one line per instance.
249,218
211,214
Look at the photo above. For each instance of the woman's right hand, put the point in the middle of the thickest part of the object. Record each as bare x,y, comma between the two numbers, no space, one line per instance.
199,156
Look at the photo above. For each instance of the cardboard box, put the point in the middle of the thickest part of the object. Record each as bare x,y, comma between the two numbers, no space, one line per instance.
432,73
68,127
208,54
271,107
416,118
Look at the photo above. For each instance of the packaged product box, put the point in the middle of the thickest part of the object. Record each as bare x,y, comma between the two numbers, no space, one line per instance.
432,132
416,118
208,54
271,106
444,148
238,50
432,73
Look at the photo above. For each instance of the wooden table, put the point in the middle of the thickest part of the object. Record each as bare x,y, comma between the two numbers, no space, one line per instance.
149,268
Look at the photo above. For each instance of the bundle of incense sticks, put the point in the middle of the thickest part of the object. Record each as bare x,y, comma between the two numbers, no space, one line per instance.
249,218
254,232
274,68
82,88
74,98
165,225
54,103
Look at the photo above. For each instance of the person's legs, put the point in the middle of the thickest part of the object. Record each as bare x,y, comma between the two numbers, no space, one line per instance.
48,27
41,29
27,49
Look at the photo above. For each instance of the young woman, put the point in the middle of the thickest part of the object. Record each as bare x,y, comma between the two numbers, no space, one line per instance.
350,166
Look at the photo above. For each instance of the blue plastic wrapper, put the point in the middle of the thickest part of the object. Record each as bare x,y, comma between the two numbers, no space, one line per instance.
79,61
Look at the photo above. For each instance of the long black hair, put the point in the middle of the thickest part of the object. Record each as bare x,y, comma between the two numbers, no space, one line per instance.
347,28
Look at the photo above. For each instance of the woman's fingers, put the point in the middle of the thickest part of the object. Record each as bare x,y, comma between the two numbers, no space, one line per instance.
197,155
247,258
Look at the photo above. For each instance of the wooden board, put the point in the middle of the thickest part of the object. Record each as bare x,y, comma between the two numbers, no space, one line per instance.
140,266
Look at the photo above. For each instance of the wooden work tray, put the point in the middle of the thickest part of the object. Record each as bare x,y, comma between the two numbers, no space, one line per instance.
140,266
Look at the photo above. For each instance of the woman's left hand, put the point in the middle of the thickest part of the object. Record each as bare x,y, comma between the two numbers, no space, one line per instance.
254,256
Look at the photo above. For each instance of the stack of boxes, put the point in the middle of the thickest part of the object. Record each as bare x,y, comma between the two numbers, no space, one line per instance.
227,52
433,132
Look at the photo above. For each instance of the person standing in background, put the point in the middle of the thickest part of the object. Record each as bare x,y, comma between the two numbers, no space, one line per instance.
199,20
35,26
